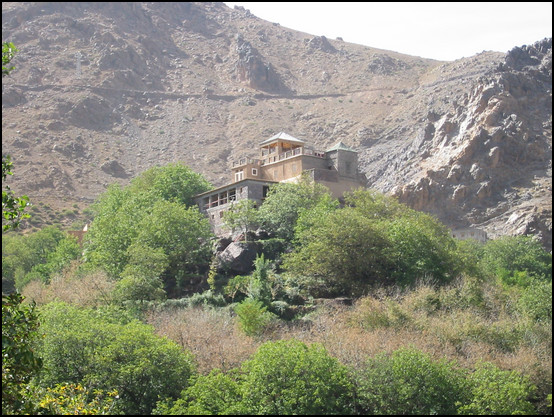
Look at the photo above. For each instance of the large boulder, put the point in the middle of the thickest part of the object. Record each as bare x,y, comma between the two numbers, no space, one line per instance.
238,257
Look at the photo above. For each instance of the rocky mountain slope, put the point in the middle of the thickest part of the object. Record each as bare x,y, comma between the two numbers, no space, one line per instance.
104,91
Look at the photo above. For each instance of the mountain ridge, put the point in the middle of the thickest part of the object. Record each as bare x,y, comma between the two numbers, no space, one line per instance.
104,91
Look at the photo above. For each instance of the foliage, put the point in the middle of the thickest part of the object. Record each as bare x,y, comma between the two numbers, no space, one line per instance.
140,279
19,360
8,52
241,215
281,378
259,286
289,377
286,201
37,255
497,392
152,214
253,316
409,382
173,182
536,301
12,207
468,254
516,260
106,350
74,399
420,247
374,240
214,394
345,250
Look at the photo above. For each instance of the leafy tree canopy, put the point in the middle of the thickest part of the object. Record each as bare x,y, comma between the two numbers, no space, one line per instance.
155,212
373,240
105,349
19,361
286,201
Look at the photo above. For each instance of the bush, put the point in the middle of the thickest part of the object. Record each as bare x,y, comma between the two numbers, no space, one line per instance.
494,391
509,256
289,377
213,394
536,301
106,349
253,316
409,382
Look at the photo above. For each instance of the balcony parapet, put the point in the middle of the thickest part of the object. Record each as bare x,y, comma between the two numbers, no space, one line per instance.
292,153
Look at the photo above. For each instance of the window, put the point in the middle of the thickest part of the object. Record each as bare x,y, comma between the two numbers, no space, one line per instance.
255,172
239,175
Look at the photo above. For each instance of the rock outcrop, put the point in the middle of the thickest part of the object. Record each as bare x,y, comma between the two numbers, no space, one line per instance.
490,158
104,91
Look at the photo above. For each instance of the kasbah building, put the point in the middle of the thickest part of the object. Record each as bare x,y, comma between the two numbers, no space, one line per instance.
282,158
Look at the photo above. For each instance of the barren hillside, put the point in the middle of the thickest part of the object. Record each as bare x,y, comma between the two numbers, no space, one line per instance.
104,91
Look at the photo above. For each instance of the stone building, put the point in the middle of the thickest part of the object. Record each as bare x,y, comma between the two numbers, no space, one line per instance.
282,158
470,233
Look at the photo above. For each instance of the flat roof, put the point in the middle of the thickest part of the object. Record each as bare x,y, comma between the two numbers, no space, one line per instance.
234,184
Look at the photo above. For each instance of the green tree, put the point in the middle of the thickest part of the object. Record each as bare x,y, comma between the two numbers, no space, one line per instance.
44,252
286,201
536,301
497,392
20,362
12,207
214,394
291,378
142,277
242,215
183,234
509,256
253,316
173,182
420,247
105,349
342,253
152,212
373,240
409,382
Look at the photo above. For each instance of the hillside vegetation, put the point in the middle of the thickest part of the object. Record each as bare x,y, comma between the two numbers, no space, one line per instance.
365,308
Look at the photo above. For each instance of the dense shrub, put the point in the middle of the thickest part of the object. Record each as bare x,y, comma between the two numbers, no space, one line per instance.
373,241
516,260
253,316
497,392
409,382
154,213
281,378
106,349
289,377
536,301
214,394
36,256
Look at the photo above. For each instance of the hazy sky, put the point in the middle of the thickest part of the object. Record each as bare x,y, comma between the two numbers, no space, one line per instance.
444,31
